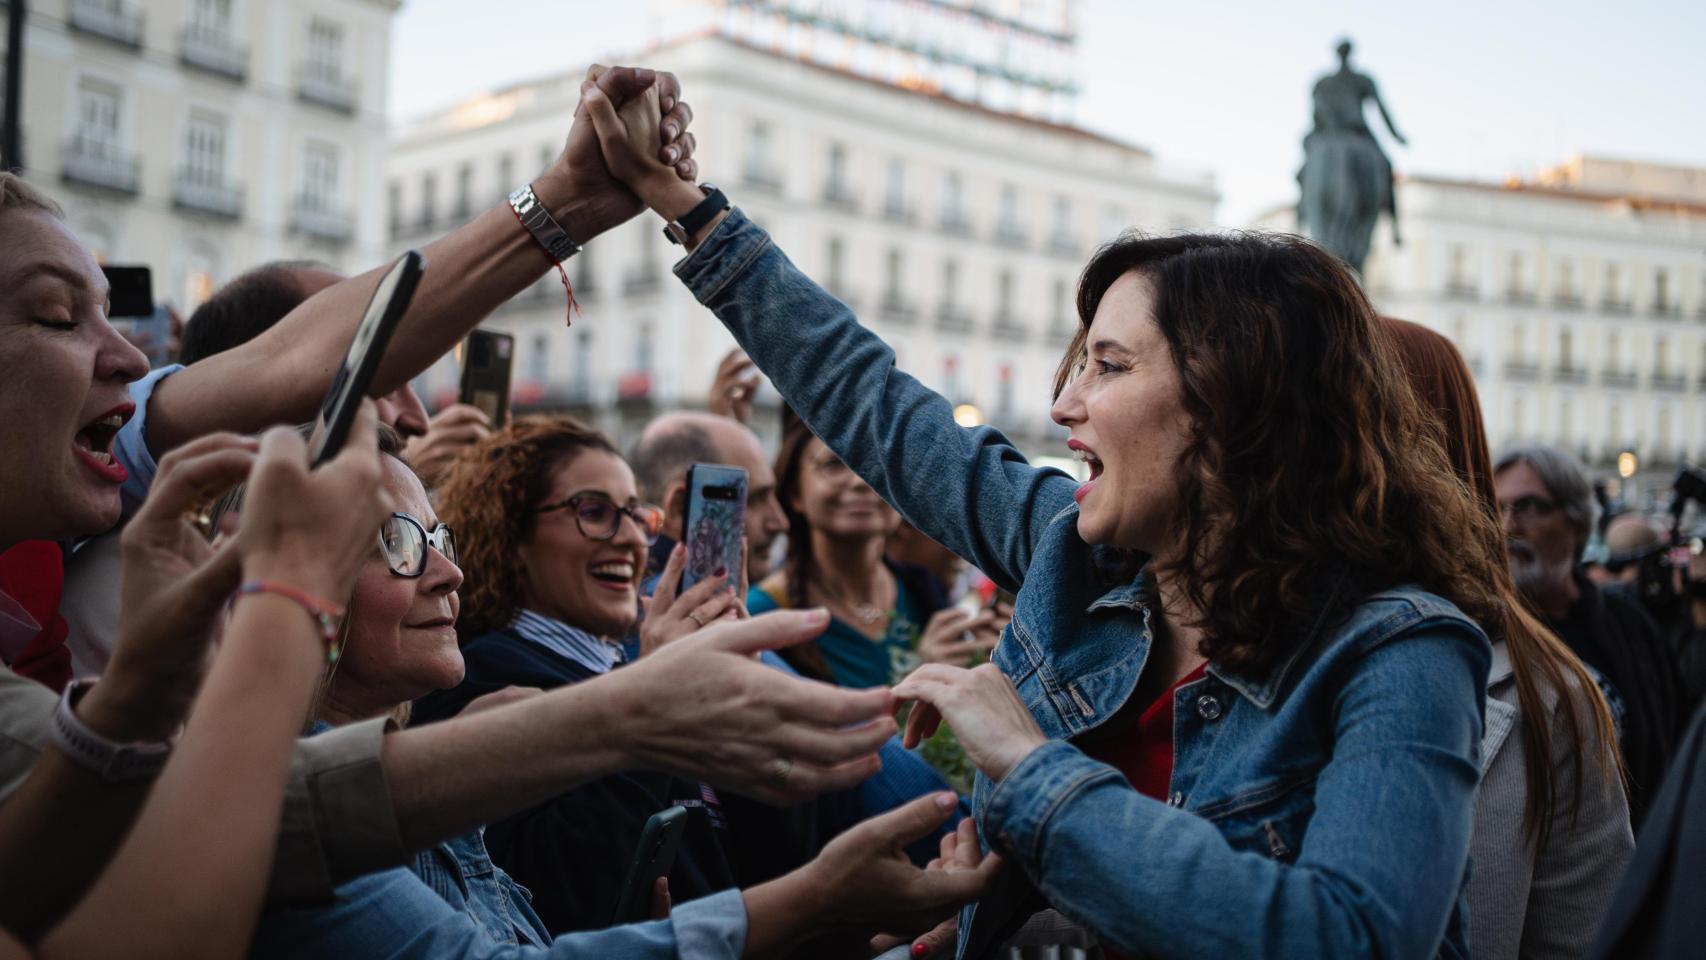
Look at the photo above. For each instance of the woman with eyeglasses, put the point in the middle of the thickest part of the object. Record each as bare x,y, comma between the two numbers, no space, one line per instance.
555,540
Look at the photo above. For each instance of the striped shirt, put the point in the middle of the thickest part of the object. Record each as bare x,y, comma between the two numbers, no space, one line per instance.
571,642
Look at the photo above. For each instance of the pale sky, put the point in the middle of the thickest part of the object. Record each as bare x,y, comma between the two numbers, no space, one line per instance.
1481,89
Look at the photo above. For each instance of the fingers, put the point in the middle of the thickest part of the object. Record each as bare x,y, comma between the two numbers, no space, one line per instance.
663,597
623,83
911,821
773,631
688,170
921,725
213,581
669,90
832,746
459,414
965,851
675,125
660,899
612,134
698,595
827,706
939,941
197,472
806,780
721,605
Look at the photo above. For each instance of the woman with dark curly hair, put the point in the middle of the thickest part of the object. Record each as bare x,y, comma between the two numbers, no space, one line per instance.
1238,711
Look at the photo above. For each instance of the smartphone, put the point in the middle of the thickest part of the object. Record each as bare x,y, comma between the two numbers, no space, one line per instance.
130,291
131,308
660,840
486,364
715,521
387,305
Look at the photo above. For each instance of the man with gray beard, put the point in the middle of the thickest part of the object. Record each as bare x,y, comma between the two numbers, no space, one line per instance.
1548,510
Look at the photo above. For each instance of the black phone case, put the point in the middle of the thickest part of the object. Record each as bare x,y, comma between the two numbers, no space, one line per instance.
361,361
660,841
487,366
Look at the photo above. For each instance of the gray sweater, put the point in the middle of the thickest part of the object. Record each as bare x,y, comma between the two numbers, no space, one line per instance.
1545,905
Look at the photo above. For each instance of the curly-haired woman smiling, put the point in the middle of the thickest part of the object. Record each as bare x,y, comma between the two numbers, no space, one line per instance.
1238,710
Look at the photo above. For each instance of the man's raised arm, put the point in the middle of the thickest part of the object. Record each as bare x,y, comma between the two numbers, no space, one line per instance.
280,376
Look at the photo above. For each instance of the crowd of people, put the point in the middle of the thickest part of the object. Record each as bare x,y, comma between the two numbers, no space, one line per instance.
1300,669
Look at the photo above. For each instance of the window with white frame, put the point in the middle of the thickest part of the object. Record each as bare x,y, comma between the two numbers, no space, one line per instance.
894,193
952,212
325,57
201,271
835,175
835,263
1007,220
893,275
98,104
204,149
320,175
758,152
1062,234
464,190
1113,222
506,174
210,17
1004,295
539,358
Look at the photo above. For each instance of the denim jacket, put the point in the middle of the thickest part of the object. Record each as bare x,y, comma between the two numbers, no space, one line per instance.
1321,810
462,872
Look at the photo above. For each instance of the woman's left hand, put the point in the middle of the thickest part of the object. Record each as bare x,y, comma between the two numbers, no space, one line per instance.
990,721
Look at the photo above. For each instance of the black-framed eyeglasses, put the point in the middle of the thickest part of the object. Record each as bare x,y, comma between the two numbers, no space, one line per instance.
1527,508
598,516
404,540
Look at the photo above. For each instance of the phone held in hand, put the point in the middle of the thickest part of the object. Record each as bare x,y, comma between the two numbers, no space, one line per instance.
337,411
487,359
660,841
715,521
386,307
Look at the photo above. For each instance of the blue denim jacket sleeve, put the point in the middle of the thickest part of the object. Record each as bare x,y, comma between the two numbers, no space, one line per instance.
969,489
1405,755
392,914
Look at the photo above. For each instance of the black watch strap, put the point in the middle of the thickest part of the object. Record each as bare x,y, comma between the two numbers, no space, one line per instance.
678,231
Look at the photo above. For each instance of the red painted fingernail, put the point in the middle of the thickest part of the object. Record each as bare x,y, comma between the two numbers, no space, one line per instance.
720,572
921,950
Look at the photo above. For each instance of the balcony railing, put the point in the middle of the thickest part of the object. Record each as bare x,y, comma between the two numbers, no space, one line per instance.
1617,378
320,220
1062,243
1521,370
642,282
1010,235
94,163
213,50
897,210
1615,306
1668,382
1059,334
1007,327
761,177
1567,301
1519,297
1666,311
326,86
838,195
954,222
116,20
953,318
1569,375
896,310
196,191
1461,290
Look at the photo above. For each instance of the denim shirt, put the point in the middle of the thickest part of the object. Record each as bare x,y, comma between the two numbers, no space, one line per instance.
1322,810
462,872
456,903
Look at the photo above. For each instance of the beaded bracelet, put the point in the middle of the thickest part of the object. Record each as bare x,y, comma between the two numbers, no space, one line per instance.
327,616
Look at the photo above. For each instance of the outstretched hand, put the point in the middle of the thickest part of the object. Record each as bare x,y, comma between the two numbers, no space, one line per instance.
989,720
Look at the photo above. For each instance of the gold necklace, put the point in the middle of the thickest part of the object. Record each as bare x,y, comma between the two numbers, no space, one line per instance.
870,613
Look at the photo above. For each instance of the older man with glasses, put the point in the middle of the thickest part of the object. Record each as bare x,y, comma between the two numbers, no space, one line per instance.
1548,509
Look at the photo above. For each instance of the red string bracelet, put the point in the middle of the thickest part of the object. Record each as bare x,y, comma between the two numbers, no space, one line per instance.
574,308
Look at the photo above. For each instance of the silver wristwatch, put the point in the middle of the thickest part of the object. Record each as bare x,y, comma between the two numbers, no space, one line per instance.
542,225
115,762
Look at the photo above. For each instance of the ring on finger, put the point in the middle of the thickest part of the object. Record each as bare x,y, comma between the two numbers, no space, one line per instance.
780,768
693,615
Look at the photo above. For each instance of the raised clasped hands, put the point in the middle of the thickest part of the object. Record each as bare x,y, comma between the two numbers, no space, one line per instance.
992,724
589,195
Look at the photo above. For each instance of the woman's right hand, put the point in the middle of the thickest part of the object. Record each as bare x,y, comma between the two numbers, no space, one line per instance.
670,617
313,528
704,708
